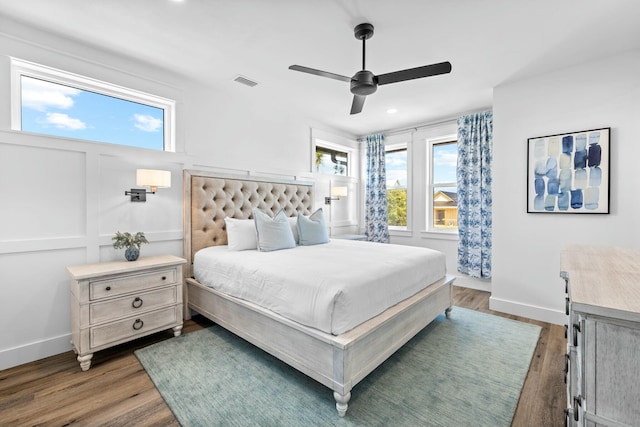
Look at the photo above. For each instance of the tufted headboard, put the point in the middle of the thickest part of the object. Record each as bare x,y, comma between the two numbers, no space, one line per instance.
209,198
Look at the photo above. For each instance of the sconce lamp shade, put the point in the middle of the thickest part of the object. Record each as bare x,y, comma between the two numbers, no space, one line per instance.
338,191
153,178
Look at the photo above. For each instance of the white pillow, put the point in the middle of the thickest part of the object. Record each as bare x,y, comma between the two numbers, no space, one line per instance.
241,234
273,234
312,230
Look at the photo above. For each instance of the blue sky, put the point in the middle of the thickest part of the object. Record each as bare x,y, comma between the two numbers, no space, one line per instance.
54,109
445,157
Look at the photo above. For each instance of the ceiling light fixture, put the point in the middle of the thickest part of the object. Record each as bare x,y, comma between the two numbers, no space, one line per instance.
392,110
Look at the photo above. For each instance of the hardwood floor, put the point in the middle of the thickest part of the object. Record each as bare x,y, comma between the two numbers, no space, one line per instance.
116,391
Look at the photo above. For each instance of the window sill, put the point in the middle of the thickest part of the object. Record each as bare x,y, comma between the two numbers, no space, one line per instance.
400,232
439,235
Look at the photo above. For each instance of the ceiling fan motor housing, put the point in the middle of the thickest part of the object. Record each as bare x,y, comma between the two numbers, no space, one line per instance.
364,83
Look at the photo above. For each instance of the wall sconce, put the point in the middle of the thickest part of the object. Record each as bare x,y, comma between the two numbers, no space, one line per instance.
151,178
336,193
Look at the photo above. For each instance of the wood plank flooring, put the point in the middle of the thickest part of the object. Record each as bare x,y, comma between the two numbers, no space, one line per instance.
116,391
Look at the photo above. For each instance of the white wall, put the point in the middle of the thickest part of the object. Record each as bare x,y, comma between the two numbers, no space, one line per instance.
417,233
62,199
526,247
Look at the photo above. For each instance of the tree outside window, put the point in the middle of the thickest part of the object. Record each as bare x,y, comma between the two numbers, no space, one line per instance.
396,171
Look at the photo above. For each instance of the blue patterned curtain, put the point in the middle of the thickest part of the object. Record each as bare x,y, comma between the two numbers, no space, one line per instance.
475,154
376,209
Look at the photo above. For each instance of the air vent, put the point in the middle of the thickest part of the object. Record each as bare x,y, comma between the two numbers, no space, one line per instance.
245,81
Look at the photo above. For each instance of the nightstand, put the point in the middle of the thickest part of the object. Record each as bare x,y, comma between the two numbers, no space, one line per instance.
115,302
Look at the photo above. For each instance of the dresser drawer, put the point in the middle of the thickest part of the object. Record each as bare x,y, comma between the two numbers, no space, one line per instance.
133,326
131,304
131,283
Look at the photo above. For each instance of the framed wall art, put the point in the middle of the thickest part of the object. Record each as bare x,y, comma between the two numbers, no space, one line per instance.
569,172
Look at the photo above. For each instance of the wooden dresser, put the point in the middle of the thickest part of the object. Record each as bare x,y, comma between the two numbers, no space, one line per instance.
115,302
603,335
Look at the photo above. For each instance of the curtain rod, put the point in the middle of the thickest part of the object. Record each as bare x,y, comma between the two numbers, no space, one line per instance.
392,132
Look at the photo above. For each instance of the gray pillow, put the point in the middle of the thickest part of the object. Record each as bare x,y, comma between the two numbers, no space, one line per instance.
312,230
273,234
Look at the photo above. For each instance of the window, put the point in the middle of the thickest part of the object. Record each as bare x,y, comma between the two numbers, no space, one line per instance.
443,186
57,103
331,161
396,174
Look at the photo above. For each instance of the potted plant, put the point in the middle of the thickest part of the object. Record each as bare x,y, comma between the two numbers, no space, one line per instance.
131,242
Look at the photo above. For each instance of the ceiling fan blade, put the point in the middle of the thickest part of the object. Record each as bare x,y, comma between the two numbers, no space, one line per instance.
415,73
358,103
320,73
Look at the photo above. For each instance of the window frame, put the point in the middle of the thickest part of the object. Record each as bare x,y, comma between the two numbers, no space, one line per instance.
328,146
332,146
404,142
431,185
21,68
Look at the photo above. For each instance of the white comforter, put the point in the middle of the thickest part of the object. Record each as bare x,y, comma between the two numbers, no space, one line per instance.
331,287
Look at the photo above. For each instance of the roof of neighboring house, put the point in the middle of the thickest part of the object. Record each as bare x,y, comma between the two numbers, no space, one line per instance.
392,185
445,199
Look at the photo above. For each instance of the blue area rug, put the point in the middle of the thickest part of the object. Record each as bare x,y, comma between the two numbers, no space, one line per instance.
464,371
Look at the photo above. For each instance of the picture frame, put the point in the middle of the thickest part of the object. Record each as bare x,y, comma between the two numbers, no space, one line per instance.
568,173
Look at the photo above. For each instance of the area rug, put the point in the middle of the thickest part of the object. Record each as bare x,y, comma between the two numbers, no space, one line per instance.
464,371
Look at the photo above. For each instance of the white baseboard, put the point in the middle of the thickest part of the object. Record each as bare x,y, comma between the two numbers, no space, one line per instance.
34,351
530,311
470,282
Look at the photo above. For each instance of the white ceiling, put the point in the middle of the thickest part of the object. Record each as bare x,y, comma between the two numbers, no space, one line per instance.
488,42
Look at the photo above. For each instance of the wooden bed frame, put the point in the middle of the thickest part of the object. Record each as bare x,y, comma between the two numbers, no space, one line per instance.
338,362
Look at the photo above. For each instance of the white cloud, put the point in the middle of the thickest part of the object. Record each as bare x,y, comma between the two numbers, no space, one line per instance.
63,121
41,95
396,175
396,162
147,123
446,159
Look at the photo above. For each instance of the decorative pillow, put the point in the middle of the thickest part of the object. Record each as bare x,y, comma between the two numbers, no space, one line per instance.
312,230
273,234
241,234
293,222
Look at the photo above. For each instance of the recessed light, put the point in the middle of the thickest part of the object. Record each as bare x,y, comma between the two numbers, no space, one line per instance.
392,110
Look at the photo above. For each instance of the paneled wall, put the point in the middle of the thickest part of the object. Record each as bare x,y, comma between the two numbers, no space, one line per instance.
61,200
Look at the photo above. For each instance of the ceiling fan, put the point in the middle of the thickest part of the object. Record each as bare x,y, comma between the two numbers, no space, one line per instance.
364,82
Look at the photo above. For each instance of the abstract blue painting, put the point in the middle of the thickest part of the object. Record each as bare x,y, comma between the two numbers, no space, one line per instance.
569,173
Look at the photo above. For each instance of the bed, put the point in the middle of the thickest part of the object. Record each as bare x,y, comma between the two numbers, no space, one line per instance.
337,357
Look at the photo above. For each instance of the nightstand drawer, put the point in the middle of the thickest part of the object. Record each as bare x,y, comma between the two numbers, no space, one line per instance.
130,305
135,325
131,283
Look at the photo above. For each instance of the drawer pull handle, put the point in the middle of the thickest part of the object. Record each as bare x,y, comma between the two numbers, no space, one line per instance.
164,277
137,303
138,324
577,401
566,308
576,330
108,288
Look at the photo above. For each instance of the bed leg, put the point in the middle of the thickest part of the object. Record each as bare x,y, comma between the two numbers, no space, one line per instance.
447,312
341,402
